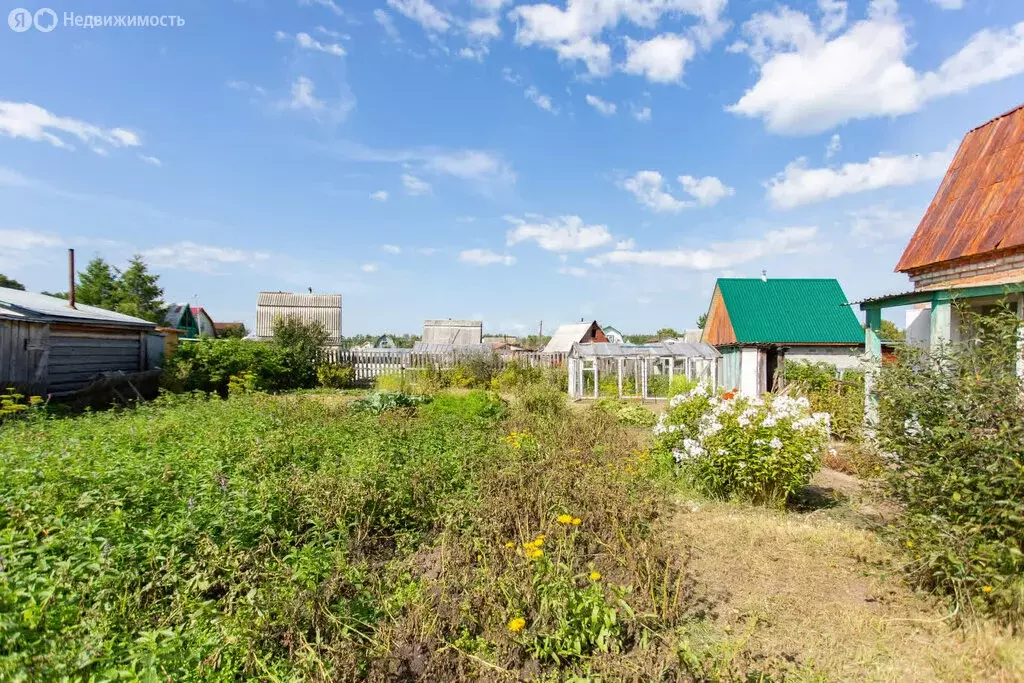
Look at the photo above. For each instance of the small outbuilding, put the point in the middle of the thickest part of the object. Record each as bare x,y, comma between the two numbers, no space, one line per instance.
322,308
50,346
759,323
575,333
193,321
645,372
456,332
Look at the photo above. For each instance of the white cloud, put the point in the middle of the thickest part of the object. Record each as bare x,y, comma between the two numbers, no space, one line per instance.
475,52
246,87
574,271
661,59
708,190
32,122
835,144
415,186
881,224
949,4
641,113
810,81
833,15
540,99
200,258
423,13
485,257
485,169
379,196
23,240
575,31
369,267
390,249
304,41
625,244
426,251
329,33
605,108
329,4
303,99
152,161
387,23
484,28
510,76
720,254
649,188
562,233
798,185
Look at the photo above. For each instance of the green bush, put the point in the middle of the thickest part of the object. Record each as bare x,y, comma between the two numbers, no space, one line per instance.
334,376
208,364
627,412
759,450
542,399
843,399
380,402
303,342
516,376
954,421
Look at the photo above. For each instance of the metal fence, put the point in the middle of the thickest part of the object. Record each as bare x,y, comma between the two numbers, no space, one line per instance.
368,364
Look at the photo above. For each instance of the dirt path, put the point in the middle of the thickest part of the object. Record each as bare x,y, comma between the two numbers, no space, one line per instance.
818,597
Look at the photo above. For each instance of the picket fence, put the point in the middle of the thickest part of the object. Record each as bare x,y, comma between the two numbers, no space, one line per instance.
368,364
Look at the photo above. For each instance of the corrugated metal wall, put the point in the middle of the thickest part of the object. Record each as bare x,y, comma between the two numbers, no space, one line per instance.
23,353
77,356
329,317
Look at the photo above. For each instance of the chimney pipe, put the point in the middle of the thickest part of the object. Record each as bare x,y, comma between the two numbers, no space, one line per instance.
71,278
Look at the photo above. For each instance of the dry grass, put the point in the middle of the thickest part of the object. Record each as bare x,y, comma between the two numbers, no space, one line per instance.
816,597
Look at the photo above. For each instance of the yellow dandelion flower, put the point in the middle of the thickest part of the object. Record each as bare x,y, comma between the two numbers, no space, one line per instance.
576,521
595,576
534,553
510,544
986,589
564,519
539,541
517,625
910,544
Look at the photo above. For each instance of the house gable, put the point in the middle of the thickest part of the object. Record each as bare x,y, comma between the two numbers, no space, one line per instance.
718,327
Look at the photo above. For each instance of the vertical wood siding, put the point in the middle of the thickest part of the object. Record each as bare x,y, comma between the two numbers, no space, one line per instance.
77,357
23,356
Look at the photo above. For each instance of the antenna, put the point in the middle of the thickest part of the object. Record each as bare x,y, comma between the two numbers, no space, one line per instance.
764,276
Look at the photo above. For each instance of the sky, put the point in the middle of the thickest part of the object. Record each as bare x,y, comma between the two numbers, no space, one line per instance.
514,162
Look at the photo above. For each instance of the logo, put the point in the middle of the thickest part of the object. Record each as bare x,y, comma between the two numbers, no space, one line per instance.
45,20
20,19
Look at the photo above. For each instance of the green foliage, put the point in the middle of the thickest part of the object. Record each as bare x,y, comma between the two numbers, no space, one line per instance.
667,333
208,365
334,376
889,332
98,285
515,377
954,421
10,283
702,320
475,404
138,292
14,404
842,399
627,412
542,399
302,342
381,402
748,449
234,332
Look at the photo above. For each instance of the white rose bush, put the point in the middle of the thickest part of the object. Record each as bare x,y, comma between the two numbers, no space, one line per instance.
753,449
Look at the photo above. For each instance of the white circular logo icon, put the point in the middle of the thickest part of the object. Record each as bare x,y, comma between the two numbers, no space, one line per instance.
20,19
45,20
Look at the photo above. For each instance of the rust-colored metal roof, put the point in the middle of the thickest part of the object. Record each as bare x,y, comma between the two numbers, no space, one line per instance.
979,208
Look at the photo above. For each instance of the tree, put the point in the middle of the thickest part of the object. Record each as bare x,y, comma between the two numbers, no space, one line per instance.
302,342
97,285
889,332
10,283
234,332
139,292
702,320
666,333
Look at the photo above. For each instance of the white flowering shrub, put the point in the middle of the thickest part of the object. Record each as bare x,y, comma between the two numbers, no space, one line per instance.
754,449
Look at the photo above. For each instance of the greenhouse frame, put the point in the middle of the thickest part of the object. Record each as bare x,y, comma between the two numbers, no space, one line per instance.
640,372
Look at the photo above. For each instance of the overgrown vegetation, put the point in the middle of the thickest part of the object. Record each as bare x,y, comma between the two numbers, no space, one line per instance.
277,538
753,449
840,397
954,422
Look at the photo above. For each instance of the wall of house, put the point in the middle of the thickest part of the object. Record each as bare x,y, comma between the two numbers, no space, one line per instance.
843,357
982,266
751,371
330,317
458,332
78,353
23,356
729,369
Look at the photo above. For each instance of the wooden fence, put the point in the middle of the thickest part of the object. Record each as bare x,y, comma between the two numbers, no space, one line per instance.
368,364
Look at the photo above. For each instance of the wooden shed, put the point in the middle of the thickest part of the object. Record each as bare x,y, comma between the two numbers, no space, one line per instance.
322,308
48,347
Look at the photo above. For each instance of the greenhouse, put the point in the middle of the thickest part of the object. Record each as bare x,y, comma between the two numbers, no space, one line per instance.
602,369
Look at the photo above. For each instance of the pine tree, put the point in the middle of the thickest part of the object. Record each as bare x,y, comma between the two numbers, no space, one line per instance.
139,292
97,285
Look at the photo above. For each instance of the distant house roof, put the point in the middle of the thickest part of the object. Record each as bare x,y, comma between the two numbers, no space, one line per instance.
181,317
979,207
780,311
453,331
289,299
19,305
567,335
662,349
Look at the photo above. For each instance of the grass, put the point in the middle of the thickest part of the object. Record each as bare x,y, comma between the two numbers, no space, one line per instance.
300,537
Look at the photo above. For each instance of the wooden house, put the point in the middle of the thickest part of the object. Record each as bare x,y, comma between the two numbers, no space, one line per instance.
193,321
322,308
759,323
457,332
574,333
969,246
50,346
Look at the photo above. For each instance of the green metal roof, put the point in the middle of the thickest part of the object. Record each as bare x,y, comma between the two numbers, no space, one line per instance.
784,310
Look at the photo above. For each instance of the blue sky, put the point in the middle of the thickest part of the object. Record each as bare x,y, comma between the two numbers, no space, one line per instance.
487,159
